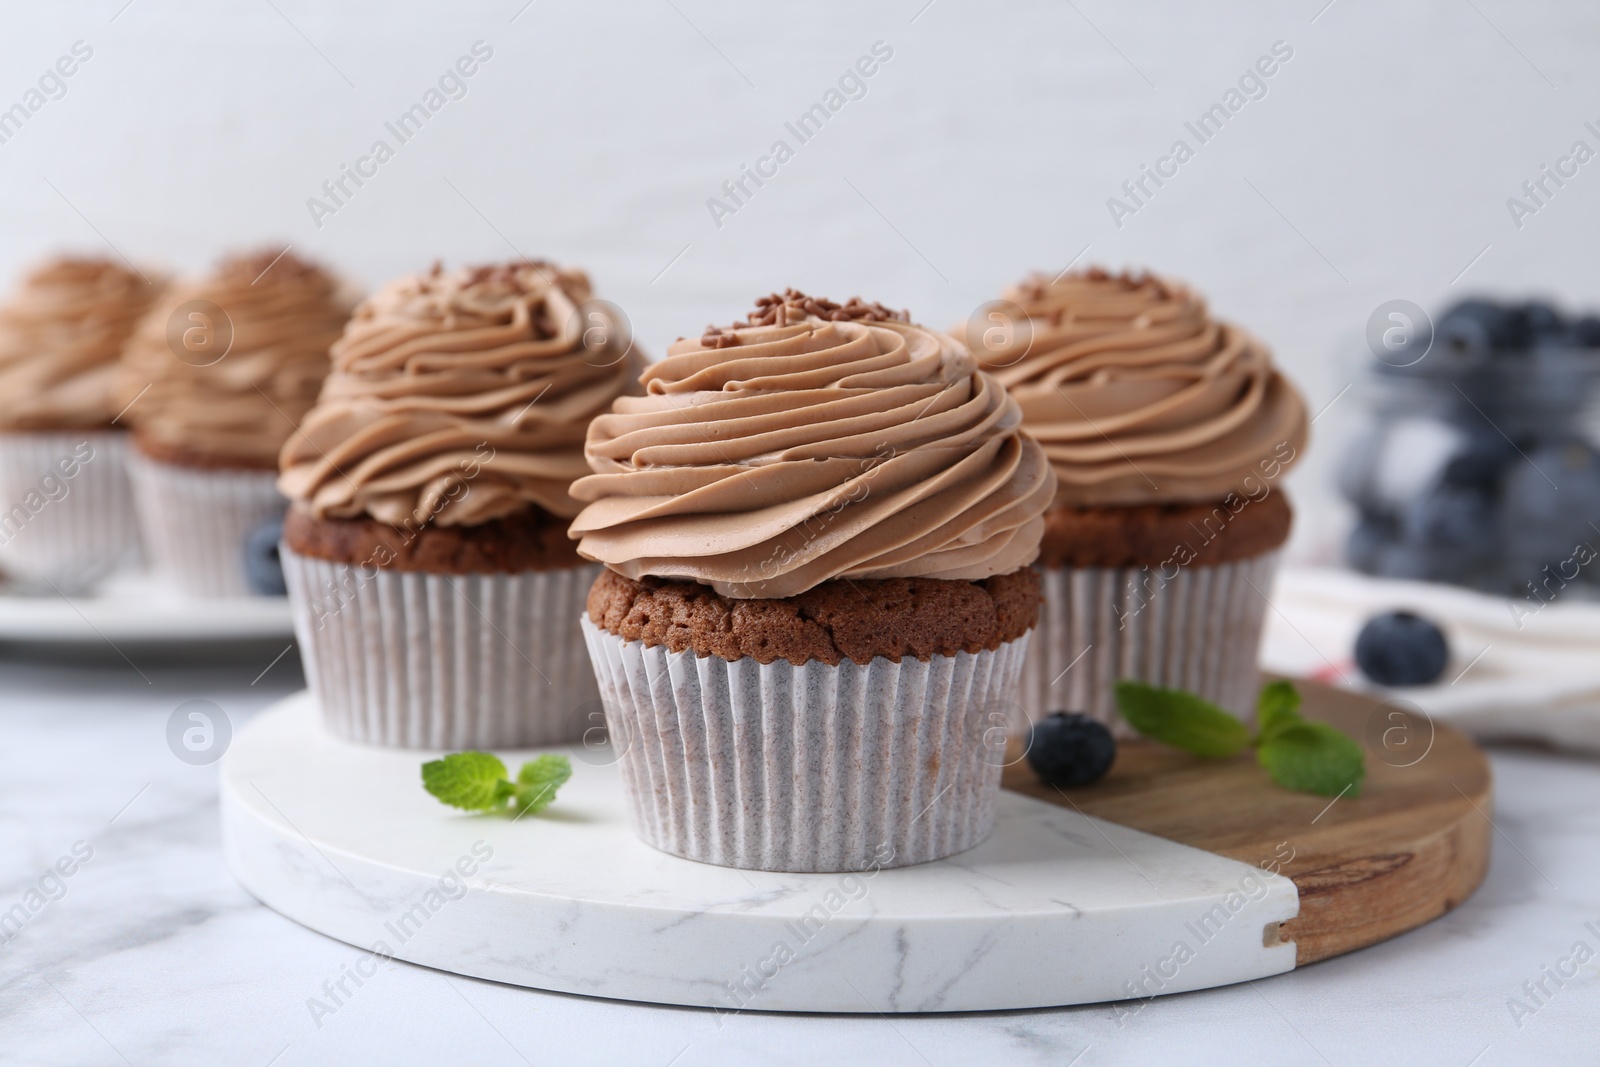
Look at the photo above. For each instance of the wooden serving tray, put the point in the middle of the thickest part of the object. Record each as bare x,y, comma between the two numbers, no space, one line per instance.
1411,847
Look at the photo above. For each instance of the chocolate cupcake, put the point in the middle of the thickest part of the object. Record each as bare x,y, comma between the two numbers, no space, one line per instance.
68,512
436,594
215,380
1169,432
818,525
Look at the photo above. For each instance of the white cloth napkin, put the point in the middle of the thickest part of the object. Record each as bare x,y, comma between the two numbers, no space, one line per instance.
1519,669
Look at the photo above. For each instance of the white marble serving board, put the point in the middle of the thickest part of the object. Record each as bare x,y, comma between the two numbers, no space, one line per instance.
1055,908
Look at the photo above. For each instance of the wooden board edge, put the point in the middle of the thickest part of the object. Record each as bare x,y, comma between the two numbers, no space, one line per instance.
1381,897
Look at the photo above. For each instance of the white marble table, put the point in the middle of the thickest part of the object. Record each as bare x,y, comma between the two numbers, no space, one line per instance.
154,955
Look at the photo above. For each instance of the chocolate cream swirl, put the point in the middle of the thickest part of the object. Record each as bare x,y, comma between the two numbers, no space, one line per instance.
462,396
61,334
1137,394
226,366
813,442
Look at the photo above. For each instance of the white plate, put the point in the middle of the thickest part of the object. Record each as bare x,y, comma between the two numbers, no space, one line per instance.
138,608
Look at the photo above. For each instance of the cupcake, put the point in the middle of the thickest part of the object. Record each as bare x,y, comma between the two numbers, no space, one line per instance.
68,516
436,594
216,379
818,526
1169,432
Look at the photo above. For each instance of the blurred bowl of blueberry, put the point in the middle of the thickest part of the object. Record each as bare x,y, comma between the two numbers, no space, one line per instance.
1479,468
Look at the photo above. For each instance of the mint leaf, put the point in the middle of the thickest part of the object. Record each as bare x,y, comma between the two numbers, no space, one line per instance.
1306,756
1277,707
1313,757
1181,720
538,781
472,781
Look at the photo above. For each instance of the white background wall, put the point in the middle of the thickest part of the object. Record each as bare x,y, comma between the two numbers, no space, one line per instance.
986,147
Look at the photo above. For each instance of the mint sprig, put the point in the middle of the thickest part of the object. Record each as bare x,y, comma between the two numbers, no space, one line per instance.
1299,754
477,781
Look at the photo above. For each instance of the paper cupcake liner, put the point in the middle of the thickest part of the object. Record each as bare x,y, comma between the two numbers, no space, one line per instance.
71,531
407,659
810,768
1199,631
196,522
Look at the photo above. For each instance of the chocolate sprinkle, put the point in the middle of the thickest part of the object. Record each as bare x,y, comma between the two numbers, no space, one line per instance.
779,309
1037,286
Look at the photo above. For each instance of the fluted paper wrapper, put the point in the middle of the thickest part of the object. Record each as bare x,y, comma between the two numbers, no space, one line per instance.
407,659
1200,631
196,522
70,531
811,768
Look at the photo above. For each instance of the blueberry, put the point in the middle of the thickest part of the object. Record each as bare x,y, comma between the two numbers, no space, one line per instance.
262,568
1560,479
1451,516
1464,345
1401,648
1479,327
1586,332
1070,750
1477,468
1551,500
1367,541
1540,320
